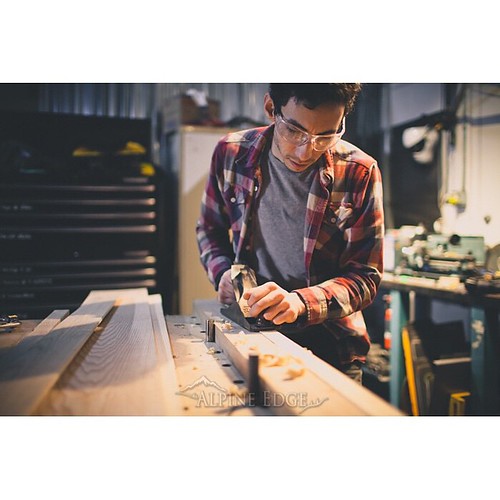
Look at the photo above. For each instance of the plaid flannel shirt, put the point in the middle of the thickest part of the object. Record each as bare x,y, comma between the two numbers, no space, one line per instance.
343,232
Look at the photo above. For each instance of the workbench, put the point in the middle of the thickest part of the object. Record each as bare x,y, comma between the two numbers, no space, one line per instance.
411,300
118,354
293,380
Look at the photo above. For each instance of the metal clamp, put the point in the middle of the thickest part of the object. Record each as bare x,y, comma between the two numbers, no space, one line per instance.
210,330
255,393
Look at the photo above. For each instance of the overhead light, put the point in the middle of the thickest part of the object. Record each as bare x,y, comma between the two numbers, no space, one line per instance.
421,142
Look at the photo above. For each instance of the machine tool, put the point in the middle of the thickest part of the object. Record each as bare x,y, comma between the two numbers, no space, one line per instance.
436,255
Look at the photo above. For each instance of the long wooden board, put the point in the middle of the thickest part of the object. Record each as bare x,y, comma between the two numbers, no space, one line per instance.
287,395
366,401
122,372
27,374
320,389
49,323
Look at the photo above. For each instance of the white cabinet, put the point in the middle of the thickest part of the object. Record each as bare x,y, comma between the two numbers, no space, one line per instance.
194,148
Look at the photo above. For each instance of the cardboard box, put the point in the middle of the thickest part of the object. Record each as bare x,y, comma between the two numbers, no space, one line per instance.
183,110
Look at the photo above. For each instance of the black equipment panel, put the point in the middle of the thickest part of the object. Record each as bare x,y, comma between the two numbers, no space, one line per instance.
72,223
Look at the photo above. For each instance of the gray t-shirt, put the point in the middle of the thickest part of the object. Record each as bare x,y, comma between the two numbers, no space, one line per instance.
278,224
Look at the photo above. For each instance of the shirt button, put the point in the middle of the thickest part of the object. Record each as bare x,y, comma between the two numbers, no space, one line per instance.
247,247
233,199
333,219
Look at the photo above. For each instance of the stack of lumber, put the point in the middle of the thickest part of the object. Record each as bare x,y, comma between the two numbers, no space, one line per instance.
111,356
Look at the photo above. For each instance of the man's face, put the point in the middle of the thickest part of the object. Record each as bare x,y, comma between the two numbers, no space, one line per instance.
325,119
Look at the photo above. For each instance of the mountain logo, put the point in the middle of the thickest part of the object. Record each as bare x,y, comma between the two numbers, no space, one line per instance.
202,381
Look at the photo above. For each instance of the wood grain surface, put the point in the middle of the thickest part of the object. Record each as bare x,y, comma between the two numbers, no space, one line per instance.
27,373
127,368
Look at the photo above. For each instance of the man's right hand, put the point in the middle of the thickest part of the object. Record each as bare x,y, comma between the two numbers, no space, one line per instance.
225,294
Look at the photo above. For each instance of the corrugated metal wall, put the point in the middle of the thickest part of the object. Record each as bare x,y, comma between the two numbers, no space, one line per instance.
143,100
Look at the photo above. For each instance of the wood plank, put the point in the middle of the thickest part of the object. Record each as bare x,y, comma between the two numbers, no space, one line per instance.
366,401
119,372
26,375
49,323
302,395
321,389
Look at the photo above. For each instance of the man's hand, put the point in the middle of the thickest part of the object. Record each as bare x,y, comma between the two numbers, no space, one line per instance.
225,293
279,305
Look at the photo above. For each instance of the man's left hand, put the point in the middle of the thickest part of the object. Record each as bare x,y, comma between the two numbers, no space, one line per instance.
278,305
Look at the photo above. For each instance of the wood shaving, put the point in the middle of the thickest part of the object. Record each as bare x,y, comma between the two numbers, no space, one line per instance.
211,350
295,370
295,366
227,325
234,390
274,360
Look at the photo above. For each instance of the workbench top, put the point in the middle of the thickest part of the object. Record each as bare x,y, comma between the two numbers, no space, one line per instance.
118,354
433,288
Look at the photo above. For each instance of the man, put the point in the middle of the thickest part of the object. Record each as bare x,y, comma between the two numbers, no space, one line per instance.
304,210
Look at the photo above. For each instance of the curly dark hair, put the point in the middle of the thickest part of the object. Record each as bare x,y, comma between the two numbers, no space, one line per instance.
312,95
